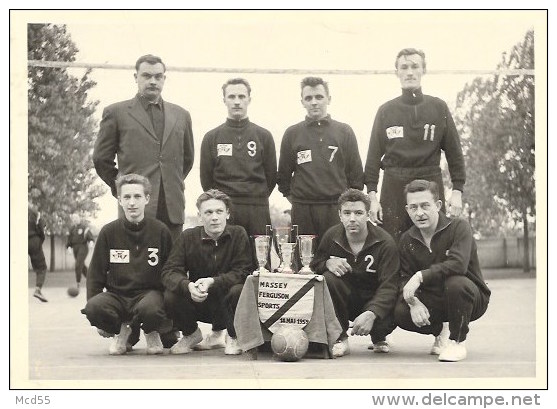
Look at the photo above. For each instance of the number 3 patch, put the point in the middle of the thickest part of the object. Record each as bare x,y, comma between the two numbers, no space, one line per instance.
153,256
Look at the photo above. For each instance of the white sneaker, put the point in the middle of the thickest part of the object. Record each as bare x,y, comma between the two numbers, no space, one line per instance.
118,346
441,340
185,345
212,340
453,352
341,348
232,347
154,343
381,347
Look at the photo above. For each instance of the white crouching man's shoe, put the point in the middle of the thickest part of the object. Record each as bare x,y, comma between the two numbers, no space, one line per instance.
232,347
341,348
441,340
453,352
154,343
186,343
120,341
213,340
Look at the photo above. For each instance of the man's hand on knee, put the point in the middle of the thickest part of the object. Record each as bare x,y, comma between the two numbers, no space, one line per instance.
363,323
419,313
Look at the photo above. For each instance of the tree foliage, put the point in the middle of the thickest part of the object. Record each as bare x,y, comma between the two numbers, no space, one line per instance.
61,131
496,117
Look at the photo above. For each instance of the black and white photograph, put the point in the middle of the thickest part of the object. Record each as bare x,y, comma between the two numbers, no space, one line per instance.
279,199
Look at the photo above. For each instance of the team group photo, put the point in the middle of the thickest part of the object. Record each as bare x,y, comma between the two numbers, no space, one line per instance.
244,199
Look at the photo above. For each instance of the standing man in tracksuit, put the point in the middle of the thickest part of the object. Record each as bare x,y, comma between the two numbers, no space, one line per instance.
360,263
239,159
79,237
319,160
407,138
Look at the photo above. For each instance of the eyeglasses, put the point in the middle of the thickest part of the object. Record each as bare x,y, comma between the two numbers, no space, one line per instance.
413,208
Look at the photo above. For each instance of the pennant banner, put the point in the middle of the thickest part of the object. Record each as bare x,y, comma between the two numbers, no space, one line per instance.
285,299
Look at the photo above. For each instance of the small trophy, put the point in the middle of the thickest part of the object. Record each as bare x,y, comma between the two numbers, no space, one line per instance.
262,246
286,250
305,248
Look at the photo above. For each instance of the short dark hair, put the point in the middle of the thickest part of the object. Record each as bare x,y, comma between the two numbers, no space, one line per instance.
235,81
410,51
149,59
133,179
354,195
314,82
421,185
213,194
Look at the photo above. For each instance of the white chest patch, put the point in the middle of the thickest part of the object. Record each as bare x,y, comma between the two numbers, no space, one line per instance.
119,256
224,149
304,156
395,132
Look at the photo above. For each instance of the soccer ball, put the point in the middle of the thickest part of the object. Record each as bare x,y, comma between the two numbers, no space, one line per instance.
290,343
73,291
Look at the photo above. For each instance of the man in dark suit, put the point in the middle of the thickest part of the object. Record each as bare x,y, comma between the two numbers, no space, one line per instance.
150,137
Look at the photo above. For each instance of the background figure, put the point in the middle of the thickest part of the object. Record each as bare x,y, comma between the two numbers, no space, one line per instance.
78,241
319,160
239,159
36,236
408,135
150,137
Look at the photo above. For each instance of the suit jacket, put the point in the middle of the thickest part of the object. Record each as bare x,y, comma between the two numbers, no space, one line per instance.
126,131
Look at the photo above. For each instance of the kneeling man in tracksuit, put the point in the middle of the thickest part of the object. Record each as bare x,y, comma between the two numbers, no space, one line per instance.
441,276
127,262
361,267
204,276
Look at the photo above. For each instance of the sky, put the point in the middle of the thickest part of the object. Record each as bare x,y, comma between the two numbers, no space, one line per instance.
306,40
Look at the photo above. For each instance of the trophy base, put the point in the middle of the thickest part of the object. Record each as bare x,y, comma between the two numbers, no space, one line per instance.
286,270
305,270
261,270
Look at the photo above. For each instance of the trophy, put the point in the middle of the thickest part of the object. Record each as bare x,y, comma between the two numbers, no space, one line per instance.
285,248
305,248
262,245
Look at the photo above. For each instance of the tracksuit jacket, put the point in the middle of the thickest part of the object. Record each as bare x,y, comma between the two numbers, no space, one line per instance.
453,252
409,132
195,255
319,159
375,270
239,159
128,257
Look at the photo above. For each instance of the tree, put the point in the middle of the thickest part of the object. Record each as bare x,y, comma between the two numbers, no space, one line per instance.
61,132
496,118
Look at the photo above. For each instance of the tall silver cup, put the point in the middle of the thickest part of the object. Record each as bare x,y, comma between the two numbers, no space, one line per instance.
305,248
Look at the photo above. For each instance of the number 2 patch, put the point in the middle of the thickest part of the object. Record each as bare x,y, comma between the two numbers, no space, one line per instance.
370,258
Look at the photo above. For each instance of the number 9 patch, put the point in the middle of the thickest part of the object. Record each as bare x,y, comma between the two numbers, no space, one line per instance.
252,148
